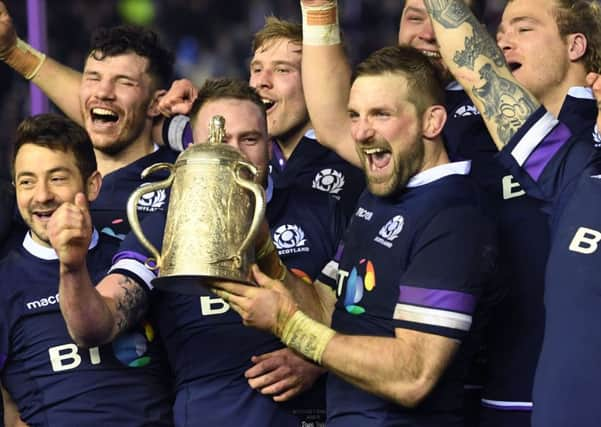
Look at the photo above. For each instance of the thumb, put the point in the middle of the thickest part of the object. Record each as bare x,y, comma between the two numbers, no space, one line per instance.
81,202
262,279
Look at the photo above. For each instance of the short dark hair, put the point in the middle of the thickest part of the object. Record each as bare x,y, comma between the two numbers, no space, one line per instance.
122,39
423,77
57,133
224,88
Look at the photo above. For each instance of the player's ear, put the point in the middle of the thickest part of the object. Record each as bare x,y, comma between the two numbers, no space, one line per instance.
433,121
93,185
153,107
577,44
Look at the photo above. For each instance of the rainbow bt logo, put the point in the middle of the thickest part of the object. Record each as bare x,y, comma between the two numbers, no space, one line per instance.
356,285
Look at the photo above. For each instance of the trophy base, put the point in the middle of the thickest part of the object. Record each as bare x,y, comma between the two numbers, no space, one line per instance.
192,285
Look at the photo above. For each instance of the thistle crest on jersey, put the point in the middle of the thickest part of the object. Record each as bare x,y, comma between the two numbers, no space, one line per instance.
329,180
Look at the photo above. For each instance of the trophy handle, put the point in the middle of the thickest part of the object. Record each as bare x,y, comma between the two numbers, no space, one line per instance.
259,195
132,211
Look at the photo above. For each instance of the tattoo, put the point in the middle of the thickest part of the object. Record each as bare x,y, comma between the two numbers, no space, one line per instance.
504,101
131,305
479,44
449,13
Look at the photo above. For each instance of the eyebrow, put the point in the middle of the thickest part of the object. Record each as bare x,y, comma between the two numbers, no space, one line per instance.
414,10
517,20
51,171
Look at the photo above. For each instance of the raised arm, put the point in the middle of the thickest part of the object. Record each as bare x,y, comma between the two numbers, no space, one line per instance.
326,76
476,62
58,82
94,315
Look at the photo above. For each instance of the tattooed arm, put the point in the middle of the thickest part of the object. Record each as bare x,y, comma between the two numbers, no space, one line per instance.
476,62
96,315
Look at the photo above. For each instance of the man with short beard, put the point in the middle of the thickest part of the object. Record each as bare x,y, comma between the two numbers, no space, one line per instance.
564,36
402,291
124,75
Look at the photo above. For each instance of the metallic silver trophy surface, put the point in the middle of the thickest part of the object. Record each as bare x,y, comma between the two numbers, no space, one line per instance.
215,209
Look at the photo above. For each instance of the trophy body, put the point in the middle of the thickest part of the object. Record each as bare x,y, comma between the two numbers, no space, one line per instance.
215,209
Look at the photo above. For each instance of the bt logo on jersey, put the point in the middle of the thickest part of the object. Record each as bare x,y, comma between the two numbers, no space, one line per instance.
65,357
356,285
585,241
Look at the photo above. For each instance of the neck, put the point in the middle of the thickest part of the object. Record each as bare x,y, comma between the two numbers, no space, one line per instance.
108,163
435,156
553,99
289,141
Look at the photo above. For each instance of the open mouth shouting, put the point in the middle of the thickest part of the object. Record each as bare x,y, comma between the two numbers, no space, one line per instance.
269,104
377,159
103,117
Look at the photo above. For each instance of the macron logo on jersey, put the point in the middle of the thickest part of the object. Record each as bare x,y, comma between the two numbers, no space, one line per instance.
290,239
42,302
466,111
364,213
329,180
152,201
390,231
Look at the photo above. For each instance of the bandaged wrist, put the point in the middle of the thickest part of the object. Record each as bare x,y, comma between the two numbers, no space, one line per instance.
306,336
24,59
320,24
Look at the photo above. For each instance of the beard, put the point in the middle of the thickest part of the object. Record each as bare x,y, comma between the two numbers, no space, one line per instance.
404,166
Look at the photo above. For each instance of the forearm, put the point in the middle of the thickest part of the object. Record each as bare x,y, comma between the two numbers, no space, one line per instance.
61,84
403,369
326,75
89,319
476,62
58,82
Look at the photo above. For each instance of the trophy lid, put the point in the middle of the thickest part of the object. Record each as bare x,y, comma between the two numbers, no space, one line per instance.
214,150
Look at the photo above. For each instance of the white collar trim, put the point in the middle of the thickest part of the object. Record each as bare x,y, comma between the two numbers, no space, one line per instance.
46,253
438,172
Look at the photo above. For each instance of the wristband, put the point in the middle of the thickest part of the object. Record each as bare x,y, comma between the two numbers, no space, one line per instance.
306,336
24,59
320,25
178,132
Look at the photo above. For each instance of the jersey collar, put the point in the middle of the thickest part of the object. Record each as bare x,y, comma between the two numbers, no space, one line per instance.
49,254
438,172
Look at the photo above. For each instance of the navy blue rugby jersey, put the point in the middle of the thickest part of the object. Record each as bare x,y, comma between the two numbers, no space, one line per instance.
306,227
208,347
315,167
514,335
565,170
109,209
56,383
419,260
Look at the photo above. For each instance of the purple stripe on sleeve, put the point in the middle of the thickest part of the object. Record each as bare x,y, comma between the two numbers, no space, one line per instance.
438,299
546,150
129,255
2,360
339,251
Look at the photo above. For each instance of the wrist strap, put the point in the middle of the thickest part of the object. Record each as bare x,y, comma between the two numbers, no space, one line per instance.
306,336
320,25
24,59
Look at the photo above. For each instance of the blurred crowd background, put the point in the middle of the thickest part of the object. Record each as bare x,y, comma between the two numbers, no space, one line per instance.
208,37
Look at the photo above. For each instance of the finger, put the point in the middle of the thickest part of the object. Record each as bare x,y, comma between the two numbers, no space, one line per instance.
262,279
231,288
278,387
288,394
281,375
262,367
